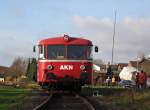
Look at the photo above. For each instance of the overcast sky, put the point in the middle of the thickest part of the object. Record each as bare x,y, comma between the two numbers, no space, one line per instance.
24,22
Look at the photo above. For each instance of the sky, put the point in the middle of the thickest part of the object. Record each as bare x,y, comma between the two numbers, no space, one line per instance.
24,22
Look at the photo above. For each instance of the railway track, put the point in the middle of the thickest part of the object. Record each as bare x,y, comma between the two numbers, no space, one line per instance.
65,101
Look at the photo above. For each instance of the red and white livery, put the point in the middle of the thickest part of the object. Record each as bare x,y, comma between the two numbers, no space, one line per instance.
65,60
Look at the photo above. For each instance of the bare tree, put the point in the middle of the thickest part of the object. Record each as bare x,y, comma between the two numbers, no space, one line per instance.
19,64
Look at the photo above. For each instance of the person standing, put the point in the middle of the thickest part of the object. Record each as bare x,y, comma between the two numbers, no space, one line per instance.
137,79
142,79
113,81
108,81
108,70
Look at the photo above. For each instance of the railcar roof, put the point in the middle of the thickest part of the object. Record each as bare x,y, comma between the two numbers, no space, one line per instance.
60,40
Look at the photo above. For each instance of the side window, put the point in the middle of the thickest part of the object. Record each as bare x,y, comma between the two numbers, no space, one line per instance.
89,52
41,52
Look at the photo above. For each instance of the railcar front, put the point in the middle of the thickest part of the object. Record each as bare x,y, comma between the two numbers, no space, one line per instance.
65,61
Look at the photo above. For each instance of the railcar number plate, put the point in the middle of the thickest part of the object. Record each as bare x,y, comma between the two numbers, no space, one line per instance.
66,67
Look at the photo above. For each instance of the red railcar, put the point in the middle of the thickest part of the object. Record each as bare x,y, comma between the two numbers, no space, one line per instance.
65,60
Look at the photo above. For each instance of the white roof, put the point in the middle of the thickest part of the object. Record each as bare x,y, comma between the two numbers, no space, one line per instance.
96,67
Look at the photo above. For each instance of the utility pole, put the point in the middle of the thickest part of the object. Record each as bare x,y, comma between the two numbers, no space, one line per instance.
112,60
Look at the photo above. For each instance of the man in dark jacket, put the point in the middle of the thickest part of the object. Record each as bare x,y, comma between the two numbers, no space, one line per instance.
108,69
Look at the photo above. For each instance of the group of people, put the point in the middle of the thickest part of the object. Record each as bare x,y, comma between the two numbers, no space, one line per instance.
110,80
129,75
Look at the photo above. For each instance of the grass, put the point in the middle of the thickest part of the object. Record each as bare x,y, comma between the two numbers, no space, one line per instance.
121,98
10,96
137,101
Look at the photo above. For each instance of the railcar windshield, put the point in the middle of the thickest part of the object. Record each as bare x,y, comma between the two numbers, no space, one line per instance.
72,52
56,52
79,52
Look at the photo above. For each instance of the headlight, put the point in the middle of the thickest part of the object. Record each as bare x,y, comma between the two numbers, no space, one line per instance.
49,67
82,67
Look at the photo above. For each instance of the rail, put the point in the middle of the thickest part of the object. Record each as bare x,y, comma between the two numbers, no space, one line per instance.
69,101
88,104
63,100
44,104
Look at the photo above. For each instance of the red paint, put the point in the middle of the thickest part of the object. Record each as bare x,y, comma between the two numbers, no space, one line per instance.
60,40
74,73
75,64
